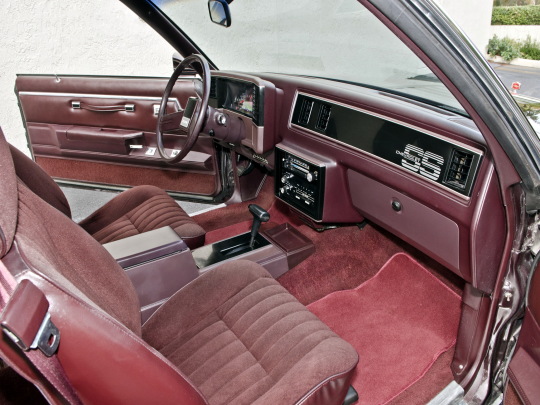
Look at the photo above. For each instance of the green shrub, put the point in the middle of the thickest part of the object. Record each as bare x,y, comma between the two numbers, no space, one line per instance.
504,47
510,49
530,53
517,15
507,3
530,110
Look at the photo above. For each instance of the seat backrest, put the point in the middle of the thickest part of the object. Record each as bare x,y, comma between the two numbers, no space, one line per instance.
92,302
37,180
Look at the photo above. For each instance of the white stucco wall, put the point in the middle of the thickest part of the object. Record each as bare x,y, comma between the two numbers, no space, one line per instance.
72,37
473,17
519,32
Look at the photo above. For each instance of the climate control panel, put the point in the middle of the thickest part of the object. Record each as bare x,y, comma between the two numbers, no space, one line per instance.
300,183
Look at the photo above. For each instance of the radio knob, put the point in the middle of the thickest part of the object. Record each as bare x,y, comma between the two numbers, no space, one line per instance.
286,177
309,177
285,188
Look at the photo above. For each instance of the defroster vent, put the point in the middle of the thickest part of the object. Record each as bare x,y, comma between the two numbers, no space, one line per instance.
324,117
305,111
459,170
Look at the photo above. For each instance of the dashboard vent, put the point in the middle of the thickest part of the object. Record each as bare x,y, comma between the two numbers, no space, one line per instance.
459,170
305,112
213,87
324,117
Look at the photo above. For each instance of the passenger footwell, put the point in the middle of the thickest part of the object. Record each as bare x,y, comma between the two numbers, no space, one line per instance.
400,321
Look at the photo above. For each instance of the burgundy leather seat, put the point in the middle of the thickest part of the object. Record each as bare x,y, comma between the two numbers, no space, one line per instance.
232,336
137,210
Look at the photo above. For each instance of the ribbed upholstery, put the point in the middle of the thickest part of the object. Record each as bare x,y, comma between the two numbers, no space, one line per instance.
156,212
255,344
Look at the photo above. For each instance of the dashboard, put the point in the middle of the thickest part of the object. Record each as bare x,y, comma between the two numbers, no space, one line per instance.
342,153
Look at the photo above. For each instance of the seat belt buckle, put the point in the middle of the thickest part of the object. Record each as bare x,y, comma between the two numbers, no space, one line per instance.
27,322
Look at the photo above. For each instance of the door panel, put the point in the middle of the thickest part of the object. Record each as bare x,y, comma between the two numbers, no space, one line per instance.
524,368
101,130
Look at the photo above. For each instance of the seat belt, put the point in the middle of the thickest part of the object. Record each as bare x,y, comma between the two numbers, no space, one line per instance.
25,319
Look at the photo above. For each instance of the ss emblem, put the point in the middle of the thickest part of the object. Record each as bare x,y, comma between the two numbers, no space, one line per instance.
426,163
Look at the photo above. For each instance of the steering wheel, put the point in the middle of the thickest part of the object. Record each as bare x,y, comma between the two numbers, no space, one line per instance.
190,120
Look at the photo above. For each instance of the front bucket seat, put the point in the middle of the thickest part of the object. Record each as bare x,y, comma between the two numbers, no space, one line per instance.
137,210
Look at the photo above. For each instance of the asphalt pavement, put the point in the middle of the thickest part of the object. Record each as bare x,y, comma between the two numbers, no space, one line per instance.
527,76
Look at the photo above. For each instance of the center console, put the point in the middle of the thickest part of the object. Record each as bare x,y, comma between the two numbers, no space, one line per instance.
278,250
159,262
300,183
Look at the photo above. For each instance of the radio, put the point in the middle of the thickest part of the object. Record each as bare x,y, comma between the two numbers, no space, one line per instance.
300,183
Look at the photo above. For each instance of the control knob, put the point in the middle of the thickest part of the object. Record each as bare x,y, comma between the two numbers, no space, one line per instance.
221,119
286,177
285,188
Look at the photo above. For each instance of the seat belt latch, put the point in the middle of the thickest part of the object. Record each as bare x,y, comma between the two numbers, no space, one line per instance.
27,322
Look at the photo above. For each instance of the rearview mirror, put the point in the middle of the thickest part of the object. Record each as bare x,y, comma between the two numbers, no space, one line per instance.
219,12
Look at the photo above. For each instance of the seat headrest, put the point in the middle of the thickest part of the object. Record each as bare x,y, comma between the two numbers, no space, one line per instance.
8,197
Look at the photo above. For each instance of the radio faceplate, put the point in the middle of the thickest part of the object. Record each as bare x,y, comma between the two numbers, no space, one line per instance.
300,183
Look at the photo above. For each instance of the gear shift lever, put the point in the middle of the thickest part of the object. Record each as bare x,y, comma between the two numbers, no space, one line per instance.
259,215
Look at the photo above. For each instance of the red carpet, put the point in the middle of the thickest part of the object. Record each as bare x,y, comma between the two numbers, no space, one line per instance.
400,321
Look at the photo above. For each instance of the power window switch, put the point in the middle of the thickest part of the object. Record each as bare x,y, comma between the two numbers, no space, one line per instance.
150,152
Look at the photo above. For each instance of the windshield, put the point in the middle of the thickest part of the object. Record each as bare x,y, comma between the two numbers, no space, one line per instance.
334,40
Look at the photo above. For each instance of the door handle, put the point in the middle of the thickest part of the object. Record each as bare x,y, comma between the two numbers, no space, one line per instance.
77,105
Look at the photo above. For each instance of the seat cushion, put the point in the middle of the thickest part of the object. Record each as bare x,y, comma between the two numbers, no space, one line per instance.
251,342
141,209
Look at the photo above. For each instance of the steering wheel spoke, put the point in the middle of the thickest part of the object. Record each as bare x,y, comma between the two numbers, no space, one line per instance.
192,119
172,122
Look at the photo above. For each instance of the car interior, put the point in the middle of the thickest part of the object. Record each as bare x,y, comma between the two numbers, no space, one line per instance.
355,258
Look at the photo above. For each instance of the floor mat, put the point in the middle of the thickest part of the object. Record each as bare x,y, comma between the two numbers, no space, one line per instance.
400,321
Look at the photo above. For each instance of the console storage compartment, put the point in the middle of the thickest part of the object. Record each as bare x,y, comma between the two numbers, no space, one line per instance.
227,249
158,264
278,250
296,246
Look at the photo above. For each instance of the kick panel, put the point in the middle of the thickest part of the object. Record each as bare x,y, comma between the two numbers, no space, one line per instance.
433,158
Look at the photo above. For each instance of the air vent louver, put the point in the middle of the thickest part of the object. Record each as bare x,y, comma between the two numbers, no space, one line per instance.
324,117
213,88
305,112
458,172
